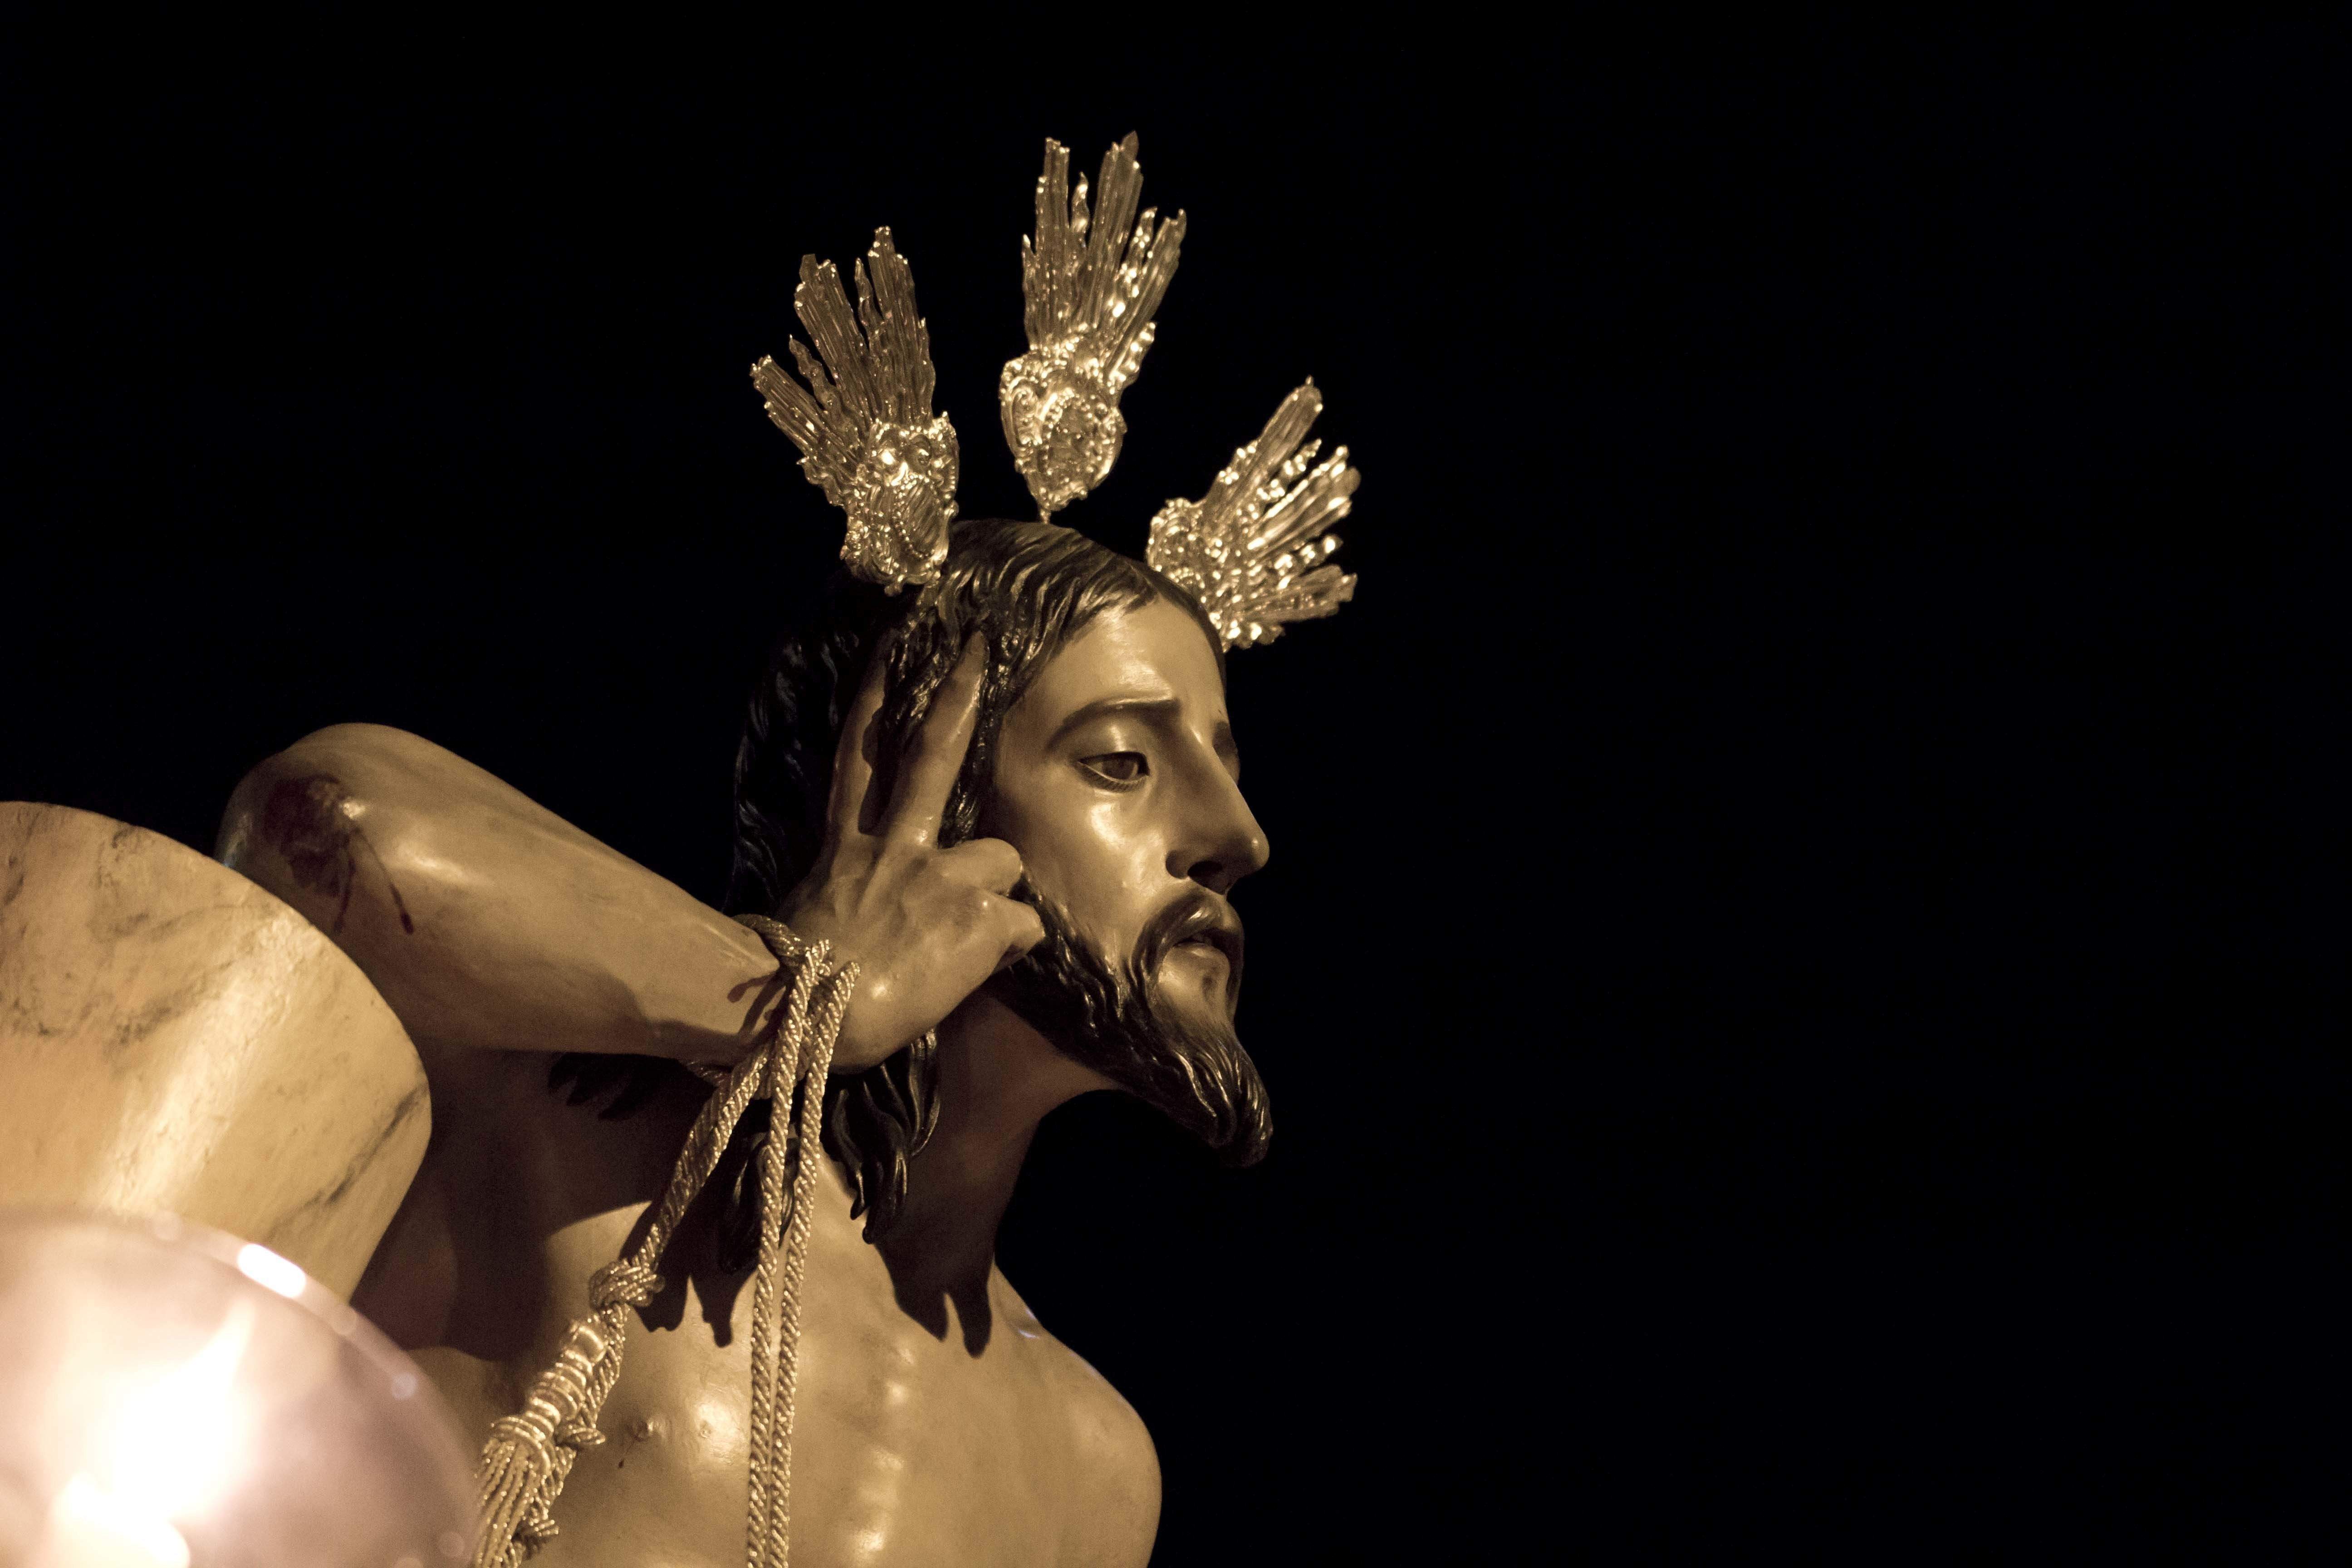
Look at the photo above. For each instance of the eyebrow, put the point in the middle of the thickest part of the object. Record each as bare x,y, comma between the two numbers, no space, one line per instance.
1159,710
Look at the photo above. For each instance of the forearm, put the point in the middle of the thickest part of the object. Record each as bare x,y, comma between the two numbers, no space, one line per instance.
484,918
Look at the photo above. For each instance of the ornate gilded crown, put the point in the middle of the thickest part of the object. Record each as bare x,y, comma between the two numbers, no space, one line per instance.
1255,551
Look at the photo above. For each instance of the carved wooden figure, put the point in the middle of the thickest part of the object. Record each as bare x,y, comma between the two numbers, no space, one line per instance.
988,823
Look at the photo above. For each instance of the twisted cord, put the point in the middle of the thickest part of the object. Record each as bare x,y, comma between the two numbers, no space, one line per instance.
776,1290
763,1485
529,1454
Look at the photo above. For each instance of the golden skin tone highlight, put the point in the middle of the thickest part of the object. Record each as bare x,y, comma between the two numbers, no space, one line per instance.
938,1421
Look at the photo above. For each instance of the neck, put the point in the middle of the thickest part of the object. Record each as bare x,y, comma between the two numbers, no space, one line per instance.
997,1080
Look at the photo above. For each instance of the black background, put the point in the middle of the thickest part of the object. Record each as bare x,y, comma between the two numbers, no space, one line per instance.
1806,887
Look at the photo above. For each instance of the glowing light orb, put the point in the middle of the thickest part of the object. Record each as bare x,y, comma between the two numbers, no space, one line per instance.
173,1398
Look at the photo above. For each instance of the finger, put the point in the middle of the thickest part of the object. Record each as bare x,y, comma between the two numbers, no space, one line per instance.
921,796
990,864
1023,930
853,773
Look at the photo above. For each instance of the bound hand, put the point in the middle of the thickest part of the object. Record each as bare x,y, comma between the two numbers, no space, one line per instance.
926,926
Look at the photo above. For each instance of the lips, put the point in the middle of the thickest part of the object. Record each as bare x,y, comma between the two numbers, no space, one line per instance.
1205,922
1224,941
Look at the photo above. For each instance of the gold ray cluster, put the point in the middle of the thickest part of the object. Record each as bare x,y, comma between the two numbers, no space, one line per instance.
1253,550
864,423
1091,284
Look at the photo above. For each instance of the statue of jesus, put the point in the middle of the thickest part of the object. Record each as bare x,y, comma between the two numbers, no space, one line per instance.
1013,800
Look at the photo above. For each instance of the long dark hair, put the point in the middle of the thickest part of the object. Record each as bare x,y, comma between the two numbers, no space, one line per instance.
1027,588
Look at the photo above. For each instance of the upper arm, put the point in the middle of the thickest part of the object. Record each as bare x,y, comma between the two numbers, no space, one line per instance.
484,919
347,817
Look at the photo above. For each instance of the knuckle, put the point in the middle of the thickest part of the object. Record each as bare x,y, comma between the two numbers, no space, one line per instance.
971,912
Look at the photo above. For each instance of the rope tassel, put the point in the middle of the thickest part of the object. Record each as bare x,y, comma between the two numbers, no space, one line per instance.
529,1454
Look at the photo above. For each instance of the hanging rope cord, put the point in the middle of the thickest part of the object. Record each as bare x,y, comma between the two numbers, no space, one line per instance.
529,1454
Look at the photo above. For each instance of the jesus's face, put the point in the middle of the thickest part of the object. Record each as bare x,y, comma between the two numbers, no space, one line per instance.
1117,778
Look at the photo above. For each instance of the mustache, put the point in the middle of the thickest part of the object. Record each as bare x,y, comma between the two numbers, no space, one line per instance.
1195,915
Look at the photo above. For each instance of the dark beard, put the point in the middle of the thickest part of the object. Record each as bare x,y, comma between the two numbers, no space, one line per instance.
1119,1025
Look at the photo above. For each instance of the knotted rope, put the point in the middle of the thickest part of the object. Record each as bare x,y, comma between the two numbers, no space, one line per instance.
529,1454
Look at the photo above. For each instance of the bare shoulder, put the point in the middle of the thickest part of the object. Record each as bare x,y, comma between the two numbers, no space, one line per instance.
301,789
358,747
366,739
355,756
1112,1461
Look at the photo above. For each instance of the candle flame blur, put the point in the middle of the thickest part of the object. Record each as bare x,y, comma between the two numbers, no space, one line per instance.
89,1528
166,1449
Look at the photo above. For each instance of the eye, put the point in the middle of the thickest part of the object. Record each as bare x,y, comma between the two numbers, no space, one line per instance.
1118,767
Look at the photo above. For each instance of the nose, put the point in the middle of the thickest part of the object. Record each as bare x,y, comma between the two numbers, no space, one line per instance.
1221,842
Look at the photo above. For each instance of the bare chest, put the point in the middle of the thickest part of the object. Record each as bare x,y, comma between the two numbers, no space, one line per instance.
908,1447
